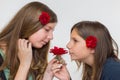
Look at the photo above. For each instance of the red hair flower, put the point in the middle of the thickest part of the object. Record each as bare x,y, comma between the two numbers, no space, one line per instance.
91,42
58,52
44,18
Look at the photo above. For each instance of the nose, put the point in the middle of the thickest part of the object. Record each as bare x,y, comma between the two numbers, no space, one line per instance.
50,35
68,45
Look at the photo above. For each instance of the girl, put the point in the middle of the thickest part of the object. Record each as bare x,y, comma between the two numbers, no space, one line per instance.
91,44
24,43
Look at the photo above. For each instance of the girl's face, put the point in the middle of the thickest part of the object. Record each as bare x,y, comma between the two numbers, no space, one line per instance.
77,48
42,36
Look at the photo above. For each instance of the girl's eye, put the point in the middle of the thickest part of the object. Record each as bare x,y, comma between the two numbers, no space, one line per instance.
47,30
75,40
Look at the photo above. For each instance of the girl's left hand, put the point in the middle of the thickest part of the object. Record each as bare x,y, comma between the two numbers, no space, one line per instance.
48,73
60,71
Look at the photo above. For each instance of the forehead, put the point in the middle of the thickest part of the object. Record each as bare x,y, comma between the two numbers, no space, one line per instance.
50,25
74,33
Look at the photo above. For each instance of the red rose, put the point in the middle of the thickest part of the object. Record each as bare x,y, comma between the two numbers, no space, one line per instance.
44,18
91,42
58,51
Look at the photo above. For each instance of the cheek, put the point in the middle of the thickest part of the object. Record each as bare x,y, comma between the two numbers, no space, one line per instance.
83,49
80,52
34,38
37,35
77,50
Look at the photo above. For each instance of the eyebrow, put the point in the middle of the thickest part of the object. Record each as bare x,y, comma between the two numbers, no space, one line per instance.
73,37
49,27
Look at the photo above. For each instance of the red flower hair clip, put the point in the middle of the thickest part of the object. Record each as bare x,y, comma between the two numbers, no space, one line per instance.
91,42
44,18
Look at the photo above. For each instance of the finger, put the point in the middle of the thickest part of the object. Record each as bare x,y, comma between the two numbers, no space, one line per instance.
25,43
53,61
59,66
19,43
22,44
29,45
56,71
56,66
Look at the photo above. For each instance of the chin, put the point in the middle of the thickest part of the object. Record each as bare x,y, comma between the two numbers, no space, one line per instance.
72,59
38,46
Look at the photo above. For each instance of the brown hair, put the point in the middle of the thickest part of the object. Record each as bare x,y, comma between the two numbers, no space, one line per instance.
24,24
106,47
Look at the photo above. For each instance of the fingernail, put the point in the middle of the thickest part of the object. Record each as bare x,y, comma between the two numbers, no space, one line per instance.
60,65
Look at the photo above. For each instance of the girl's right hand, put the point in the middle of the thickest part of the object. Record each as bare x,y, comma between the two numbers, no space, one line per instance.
24,52
25,57
60,71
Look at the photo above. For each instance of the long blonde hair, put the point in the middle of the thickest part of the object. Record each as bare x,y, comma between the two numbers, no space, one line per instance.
24,24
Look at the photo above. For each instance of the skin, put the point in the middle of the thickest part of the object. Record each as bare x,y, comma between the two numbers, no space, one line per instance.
48,75
37,40
60,71
78,51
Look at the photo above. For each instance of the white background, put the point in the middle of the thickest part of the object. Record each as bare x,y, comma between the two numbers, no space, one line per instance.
70,12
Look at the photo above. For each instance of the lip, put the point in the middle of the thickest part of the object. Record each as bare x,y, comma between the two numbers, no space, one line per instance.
43,43
70,53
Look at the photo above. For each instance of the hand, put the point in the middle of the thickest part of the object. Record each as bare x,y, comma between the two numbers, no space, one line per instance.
25,57
24,52
48,72
60,71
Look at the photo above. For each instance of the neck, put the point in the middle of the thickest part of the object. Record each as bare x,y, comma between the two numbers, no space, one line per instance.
89,60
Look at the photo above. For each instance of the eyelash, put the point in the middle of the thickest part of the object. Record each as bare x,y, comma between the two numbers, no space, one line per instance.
47,30
75,40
